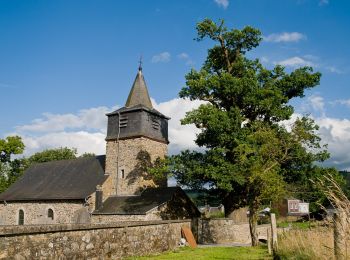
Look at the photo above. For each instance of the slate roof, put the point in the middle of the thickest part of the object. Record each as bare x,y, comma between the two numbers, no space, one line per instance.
139,94
137,108
137,205
58,180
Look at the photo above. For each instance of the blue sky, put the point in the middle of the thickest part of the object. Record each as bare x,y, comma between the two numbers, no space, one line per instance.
63,64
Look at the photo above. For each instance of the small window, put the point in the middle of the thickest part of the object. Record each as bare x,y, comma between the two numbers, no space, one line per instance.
50,214
122,173
21,217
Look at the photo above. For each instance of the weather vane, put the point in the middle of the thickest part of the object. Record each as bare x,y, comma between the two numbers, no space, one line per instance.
140,63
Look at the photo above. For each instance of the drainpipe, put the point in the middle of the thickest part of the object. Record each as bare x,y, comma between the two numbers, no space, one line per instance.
116,179
98,197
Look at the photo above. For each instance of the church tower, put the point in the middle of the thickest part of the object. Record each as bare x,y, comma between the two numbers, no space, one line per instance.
137,134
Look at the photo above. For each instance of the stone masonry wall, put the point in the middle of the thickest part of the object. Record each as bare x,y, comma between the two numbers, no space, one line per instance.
90,241
37,213
133,154
224,231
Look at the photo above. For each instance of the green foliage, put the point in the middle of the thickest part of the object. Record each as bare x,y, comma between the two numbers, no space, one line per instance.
217,215
9,146
10,169
297,225
62,153
85,155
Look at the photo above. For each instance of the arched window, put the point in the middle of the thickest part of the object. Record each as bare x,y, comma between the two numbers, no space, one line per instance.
21,217
50,213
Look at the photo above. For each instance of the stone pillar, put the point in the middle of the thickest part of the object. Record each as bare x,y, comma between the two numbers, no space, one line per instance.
268,240
274,232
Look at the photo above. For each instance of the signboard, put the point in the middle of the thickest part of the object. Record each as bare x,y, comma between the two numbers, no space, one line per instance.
303,208
297,208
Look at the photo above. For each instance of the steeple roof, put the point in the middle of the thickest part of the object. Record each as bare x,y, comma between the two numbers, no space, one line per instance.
139,94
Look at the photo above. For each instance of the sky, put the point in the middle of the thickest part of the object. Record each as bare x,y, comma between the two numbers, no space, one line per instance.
64,64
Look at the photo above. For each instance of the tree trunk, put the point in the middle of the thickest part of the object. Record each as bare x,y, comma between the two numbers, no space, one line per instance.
253,222
231,202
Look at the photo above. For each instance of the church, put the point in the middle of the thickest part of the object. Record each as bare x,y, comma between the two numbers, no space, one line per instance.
109,188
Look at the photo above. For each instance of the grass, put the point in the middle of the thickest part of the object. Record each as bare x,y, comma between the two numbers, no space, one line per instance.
297,225
303,244
210,253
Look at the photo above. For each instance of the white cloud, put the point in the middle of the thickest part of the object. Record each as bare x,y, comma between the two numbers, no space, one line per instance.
180,136
86,129
285,37
92,118
333,69
295,62
345,102
161,57
336,133
184,56
323,2
317,103
87,134
222,3
85,142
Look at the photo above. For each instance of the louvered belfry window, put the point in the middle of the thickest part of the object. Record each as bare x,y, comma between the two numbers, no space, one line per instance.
123,121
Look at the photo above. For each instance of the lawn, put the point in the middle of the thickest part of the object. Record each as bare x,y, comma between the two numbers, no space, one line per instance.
297,225
209,253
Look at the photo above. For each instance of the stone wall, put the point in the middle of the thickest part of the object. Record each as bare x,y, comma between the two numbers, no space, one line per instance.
225,231
134,153
37,213
112,218
90,241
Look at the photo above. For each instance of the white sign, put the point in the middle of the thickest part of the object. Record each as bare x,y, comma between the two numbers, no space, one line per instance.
303,207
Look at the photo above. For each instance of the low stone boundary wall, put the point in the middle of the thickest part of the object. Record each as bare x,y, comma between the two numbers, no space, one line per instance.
93,241
225,231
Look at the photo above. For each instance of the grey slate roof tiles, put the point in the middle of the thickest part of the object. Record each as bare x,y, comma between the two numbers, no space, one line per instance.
137,205
58,180
139,94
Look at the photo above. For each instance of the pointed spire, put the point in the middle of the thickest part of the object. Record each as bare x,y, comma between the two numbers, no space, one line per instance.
139,94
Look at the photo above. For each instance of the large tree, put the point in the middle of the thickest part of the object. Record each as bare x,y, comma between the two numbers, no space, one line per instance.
250,155
53,154
10,168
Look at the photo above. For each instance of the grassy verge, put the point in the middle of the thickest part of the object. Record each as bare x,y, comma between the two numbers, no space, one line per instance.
301,244
297,225
209,253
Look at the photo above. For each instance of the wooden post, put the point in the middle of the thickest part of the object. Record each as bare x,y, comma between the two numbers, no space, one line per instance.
340,229
274,232
268,240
